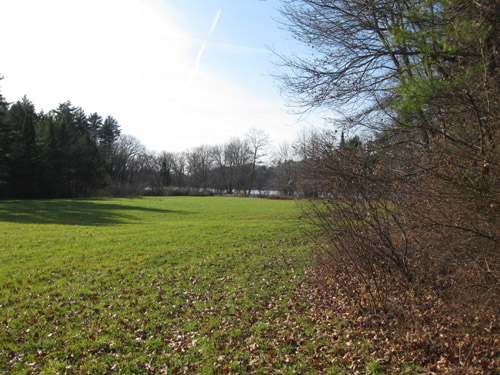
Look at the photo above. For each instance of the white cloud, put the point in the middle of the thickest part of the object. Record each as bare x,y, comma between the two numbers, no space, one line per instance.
125,58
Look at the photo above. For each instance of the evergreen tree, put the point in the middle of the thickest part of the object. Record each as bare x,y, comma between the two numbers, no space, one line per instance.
166,179
50,181
23,160
77,134
108,132
64,130
94,125
5,135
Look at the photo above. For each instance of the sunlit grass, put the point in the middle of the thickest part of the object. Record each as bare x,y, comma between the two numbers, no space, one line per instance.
146,284
156,285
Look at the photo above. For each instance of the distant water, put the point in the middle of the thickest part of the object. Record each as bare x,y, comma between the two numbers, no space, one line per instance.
264,192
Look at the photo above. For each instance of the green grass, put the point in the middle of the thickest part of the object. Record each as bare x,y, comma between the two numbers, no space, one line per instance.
168,285
151,285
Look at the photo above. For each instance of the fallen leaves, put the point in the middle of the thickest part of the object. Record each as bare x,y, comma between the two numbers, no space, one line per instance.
250,309
432,339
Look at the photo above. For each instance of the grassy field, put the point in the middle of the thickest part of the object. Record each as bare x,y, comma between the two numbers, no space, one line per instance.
153,285
166,285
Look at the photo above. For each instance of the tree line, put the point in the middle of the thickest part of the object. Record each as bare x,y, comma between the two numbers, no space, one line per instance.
57,154
68,153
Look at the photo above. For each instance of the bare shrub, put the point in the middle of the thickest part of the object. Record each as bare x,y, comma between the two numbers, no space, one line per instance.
407,222
399,239
386,220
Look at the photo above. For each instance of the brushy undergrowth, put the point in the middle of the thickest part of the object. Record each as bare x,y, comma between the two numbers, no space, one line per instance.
161,285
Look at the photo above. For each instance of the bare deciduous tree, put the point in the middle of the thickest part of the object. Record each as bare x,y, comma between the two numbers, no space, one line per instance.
258,141
199,162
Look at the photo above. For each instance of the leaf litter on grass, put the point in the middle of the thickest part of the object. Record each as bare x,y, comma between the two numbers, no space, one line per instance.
174,288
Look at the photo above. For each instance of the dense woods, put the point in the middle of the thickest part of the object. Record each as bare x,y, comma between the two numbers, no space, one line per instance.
64,153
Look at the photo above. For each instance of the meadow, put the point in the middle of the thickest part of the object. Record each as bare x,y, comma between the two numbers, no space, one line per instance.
154,285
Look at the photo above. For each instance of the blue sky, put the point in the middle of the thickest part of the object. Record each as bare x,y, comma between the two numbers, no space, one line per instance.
175,73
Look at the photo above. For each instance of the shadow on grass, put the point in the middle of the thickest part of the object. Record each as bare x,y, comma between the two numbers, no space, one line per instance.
73,212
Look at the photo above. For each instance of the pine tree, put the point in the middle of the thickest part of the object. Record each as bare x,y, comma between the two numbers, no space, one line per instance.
5,135
23,159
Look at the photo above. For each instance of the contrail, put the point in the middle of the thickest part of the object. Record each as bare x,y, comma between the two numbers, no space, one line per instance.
198,58
196,67
214,23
